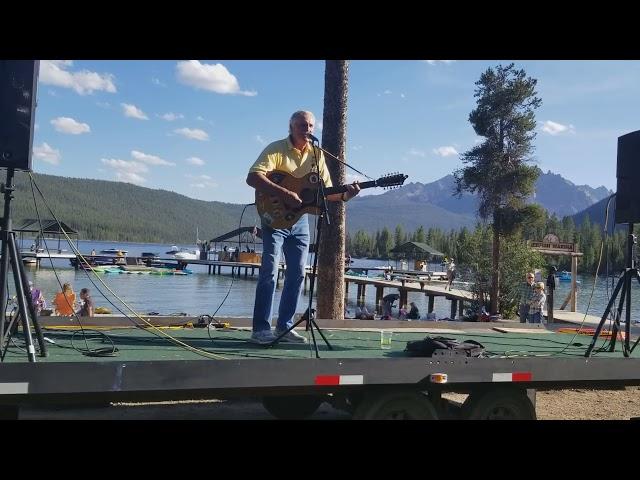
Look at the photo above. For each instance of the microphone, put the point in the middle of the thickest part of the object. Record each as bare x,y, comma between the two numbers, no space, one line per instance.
312,138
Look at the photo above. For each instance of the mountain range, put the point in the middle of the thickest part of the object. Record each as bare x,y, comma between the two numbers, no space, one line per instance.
106,210
434,205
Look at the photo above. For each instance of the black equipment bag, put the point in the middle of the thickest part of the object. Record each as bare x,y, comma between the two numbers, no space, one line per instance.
443,346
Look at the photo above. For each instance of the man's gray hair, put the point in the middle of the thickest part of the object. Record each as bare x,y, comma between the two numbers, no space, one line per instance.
300,114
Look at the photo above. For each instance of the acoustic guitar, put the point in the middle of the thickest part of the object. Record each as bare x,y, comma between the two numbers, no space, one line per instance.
276,213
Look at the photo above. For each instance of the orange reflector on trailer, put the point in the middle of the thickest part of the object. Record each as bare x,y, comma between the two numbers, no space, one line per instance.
438,378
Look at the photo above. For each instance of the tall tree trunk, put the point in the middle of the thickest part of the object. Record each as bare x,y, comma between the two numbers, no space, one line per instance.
331,252
495,276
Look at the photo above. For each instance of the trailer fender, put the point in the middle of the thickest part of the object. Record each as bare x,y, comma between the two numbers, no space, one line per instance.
499,403
292,407
395,404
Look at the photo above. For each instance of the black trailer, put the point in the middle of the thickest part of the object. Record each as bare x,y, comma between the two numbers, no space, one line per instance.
375,385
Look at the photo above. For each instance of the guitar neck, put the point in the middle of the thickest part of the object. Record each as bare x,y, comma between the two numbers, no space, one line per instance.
343,188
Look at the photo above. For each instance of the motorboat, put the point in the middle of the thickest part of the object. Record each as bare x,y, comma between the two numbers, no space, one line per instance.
186,254
564,276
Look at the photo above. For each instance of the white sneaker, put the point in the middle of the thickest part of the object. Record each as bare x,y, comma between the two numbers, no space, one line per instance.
262,338
290,337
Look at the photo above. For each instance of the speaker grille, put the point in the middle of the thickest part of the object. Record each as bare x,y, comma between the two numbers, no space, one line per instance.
628,175
18,83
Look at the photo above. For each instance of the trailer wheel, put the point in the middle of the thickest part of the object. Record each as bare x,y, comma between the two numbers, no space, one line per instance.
395,405
292,407
500,404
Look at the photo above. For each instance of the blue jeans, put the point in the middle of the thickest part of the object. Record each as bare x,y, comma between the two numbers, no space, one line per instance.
524,313
535,317
294,242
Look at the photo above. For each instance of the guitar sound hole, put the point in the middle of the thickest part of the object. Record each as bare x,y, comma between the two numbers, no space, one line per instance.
307,195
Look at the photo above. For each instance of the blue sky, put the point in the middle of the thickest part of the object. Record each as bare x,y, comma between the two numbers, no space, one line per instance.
195,127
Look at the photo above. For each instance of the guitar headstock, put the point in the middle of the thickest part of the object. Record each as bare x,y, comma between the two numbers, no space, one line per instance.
391,180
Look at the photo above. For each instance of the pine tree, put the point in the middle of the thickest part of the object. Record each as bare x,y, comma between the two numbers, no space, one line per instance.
497,168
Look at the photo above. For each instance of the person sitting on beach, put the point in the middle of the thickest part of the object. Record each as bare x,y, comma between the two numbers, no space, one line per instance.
87,308
402,313
65,301
363,313
37,298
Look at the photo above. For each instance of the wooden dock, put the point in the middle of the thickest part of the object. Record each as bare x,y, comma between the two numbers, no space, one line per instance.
404,285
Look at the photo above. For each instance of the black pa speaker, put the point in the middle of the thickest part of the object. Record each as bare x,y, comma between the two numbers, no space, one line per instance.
18,83
628,173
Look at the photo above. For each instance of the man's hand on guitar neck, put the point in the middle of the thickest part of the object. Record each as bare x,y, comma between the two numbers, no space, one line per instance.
353,189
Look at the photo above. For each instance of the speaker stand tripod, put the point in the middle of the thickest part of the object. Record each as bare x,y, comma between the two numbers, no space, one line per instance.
623,288
11,256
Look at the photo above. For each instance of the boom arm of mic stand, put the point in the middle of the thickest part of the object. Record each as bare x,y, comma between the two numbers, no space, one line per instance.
342,161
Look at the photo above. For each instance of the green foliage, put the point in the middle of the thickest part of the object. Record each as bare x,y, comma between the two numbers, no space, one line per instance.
515,259
102,210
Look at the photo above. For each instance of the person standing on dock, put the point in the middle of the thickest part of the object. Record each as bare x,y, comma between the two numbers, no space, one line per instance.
536,304
293,155
526,292
451,274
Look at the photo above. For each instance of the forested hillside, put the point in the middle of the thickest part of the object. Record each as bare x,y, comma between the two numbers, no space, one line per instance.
102,210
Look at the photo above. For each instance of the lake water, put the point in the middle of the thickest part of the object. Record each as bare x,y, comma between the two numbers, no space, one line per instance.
201,293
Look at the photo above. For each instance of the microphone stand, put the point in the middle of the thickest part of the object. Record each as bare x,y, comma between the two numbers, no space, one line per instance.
321,201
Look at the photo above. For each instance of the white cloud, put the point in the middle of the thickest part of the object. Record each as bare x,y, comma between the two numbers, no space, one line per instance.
69,125
202,181
170,116
260,140
195,161
200,118
356,147
156,81
445,151
55,72
416,153
193,133
387,92
212,77
198,177
149,159
402,95
127,171
47,154
435,62
103,104
553,128
133,111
